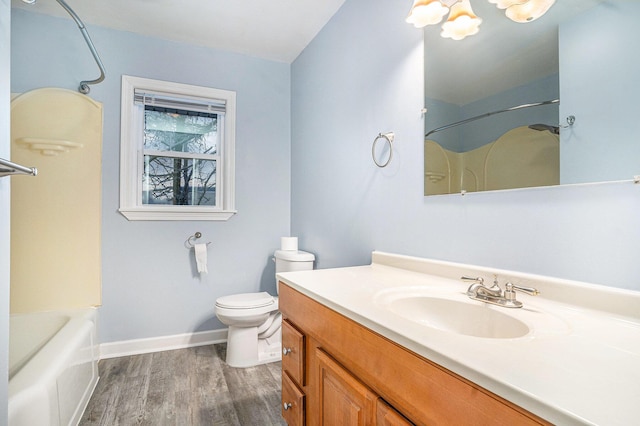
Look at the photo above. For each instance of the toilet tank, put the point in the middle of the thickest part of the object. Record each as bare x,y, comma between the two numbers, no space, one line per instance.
293,260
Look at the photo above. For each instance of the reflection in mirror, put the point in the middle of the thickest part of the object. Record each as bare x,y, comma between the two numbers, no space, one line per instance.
568,54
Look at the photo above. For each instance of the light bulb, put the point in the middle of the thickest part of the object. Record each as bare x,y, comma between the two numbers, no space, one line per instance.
426,12
503,4
529,11
462,22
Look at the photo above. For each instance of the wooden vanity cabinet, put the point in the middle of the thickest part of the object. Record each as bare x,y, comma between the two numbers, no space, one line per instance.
343,399
337,372
387,416
293,398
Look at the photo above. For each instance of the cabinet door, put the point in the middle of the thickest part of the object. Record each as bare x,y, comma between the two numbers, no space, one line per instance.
292,402
387,416
293,352
343,400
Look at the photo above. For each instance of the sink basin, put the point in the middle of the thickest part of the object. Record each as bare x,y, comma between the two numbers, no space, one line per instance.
461,317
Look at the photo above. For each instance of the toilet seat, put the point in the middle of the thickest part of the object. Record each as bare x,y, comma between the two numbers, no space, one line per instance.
245,300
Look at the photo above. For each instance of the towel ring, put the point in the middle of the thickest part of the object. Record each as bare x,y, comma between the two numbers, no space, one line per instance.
387,137
189,243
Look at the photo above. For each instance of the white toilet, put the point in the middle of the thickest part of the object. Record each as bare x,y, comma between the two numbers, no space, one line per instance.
254,321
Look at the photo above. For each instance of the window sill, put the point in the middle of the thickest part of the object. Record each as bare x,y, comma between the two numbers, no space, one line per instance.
175,213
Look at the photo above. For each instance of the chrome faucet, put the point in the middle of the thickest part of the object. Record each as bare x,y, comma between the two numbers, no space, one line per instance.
494,294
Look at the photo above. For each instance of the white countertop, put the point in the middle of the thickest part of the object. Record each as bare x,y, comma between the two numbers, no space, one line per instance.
579,364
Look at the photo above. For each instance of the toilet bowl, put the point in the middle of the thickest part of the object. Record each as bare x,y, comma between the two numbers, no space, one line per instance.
254,328
254,335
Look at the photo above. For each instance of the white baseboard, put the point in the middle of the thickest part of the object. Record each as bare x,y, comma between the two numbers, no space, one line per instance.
162,343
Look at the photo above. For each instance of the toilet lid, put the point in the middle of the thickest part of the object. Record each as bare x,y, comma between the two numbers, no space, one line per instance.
245,300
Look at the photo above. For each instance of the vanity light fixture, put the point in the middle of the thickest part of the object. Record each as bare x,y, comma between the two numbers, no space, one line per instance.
462,22
528,11
503,4
426,12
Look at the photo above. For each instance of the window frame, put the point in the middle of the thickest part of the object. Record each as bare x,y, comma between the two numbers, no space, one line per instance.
131,154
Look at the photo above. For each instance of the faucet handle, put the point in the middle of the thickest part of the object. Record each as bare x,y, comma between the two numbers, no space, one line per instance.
478,280
510,294
529,290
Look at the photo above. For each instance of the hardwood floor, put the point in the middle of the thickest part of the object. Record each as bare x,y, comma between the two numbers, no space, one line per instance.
184,387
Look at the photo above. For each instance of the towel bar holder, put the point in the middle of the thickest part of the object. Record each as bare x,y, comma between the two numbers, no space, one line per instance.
189,243
388,138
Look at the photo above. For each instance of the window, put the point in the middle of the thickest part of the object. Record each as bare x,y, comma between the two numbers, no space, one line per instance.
176,151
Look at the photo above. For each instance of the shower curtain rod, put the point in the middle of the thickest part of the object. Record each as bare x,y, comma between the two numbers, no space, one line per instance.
478,117
84,85
7,168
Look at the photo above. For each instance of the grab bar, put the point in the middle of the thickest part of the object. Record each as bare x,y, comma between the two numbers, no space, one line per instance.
478,117
7,168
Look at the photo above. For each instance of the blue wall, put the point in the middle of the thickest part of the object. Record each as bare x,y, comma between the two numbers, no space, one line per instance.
363,75
600,88
148,283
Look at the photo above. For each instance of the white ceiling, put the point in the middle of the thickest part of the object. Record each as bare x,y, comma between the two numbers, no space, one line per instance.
271,29
280,29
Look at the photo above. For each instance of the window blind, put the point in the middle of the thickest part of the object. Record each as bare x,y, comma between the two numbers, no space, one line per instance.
180,102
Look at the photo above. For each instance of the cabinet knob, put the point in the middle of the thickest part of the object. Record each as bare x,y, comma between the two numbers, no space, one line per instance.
286,406
286,351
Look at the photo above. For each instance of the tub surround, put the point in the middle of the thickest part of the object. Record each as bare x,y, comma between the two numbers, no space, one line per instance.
579,363
60,228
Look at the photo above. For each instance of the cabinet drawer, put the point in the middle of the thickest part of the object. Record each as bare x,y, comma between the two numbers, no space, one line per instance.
293,352
292,402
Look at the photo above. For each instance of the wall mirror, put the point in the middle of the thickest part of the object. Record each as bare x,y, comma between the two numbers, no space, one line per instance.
563,61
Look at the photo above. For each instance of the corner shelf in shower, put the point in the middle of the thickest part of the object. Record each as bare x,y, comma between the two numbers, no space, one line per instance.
48,146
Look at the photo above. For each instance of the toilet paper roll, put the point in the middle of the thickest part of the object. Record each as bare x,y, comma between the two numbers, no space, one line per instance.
201,258
289,243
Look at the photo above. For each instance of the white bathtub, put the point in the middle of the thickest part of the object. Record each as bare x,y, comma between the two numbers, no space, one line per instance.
53,367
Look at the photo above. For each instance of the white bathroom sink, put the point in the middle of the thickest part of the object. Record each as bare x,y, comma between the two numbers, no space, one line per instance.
461,317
